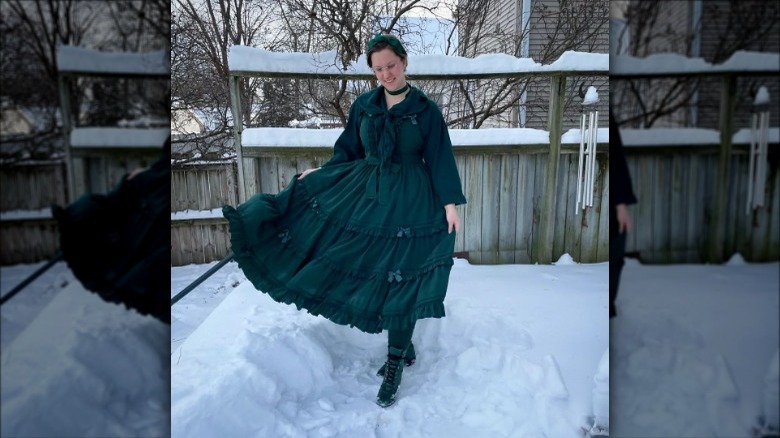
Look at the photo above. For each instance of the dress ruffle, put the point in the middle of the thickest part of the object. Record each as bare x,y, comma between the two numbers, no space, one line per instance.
305,246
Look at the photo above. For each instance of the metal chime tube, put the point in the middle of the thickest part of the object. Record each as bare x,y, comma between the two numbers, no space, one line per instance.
751,165
580,165
594,138
762,159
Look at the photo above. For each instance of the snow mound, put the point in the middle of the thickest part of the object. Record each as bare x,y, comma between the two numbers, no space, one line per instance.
565,259
762,96
591,97
85,367
736,260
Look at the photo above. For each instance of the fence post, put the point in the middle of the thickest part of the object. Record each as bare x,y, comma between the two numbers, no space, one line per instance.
64,90
238,126
717,233
543,245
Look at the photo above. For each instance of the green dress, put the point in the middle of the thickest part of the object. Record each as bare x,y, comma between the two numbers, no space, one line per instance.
362,241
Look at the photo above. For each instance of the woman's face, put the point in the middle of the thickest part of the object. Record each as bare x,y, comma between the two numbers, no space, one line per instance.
389,69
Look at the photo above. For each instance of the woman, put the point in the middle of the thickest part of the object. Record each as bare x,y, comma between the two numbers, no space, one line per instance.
621,195
367,239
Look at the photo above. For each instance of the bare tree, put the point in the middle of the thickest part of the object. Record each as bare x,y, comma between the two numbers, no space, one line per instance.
565,25
201,34
31,32
731,26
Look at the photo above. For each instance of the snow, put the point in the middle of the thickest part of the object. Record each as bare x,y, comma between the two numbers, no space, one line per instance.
687,136
74,365
772,391
22,215
694,352
214,213
119,137
601,391
591,96
660,64
251,59
690,347
509,360
81,60
762,96
572,136
292,137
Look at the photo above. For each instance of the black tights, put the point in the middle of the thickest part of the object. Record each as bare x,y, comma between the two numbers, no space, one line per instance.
617,248
400,339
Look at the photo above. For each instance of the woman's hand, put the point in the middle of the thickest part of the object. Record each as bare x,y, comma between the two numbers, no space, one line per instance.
306,172
624,219
135,172
453,220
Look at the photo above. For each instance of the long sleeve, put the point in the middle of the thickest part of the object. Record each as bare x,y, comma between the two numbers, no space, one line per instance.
440,160
621,190
348,146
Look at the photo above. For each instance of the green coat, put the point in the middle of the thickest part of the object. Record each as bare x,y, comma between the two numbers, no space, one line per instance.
363,241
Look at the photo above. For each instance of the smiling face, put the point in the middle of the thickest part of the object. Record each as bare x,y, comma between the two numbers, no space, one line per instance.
389,69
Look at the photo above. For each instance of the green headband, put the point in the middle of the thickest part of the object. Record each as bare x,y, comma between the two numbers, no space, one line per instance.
389,39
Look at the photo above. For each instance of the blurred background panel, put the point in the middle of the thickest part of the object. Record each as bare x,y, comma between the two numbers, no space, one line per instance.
694,90
85,101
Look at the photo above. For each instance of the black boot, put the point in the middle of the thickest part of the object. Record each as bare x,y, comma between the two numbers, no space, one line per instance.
393,371
409,358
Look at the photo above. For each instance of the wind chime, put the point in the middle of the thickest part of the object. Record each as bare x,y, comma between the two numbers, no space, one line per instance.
586,167
759,137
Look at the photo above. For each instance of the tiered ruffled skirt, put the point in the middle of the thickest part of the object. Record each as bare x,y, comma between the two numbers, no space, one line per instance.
325,246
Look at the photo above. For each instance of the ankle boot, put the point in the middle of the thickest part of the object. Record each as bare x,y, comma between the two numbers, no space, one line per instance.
393,371
409,357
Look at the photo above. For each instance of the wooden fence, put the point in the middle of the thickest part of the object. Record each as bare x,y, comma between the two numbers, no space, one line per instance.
676,189
28,237
503,185
675,186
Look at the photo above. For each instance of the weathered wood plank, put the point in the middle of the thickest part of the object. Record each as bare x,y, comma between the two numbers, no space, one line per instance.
539,190
692,196
524,208
562,212
678,209
573,214
507,204
288,168
251,183
491,186
460,240
473,234
589,225
192,191
602,252
269,175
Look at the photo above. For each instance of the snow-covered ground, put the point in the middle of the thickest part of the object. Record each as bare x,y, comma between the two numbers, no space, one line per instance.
516,356
690,348
76,366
